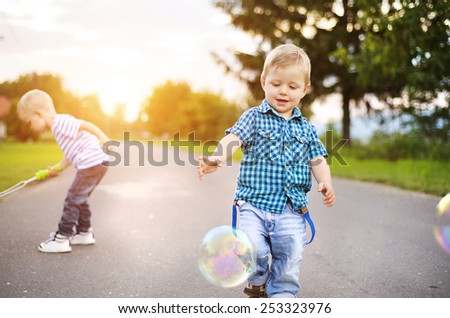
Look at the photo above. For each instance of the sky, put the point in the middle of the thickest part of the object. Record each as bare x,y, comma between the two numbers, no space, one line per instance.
120,50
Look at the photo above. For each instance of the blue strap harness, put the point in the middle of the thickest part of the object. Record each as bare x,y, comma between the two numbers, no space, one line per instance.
303,210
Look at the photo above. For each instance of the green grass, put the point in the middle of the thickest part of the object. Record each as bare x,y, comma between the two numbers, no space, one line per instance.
418,175
19,161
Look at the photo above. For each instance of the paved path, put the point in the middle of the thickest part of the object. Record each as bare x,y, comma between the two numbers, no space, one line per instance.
149,221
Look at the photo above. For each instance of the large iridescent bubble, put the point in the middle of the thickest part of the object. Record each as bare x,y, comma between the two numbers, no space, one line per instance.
442,224
226,258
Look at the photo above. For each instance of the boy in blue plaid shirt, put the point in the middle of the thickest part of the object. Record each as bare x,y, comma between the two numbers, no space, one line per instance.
280,149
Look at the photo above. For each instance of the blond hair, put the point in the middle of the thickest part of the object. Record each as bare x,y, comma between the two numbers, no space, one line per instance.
32,101
285,55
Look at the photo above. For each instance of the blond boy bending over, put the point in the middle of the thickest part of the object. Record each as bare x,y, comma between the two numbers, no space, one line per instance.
81,143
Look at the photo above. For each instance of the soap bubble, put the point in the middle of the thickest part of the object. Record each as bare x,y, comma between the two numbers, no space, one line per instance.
226,258
442,224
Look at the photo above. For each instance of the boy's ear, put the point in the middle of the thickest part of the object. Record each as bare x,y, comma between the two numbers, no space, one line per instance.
263,82
307,87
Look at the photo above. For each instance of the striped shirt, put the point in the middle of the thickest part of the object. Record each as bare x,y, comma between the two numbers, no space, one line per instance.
276,158
81,148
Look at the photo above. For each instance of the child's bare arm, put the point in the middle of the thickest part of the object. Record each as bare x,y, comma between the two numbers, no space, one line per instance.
224,150
64,163
93,129
322,174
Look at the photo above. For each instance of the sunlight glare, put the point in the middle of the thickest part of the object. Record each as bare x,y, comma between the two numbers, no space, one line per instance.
117,92
220,19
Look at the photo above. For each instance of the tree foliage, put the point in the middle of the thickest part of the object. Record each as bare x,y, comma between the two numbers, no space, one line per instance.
385,48
174,108
405,60
406,47
87,107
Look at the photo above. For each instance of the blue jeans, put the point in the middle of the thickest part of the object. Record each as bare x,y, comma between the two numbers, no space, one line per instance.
283,236
76,211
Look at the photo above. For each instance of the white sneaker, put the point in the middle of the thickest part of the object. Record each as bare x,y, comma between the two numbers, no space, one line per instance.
57,243
83,238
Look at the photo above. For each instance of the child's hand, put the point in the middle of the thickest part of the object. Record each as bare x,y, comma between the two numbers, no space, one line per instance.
104,140
206,166
52,172
327,192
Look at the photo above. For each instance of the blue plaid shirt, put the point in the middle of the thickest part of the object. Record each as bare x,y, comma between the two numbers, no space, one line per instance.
276,158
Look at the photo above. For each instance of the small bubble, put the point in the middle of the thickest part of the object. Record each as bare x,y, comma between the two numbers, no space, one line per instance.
442,223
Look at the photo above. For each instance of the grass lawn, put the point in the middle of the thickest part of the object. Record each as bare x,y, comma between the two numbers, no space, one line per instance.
19,161
419,175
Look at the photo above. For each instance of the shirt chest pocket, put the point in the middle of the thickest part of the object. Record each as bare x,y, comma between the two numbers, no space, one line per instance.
298,150
266,145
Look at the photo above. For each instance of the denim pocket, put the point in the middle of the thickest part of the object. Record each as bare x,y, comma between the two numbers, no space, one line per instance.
241,204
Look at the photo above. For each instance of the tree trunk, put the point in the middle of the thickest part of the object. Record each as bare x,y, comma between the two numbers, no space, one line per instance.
346,117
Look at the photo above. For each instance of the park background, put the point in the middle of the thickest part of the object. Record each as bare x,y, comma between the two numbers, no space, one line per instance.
160,70
380,76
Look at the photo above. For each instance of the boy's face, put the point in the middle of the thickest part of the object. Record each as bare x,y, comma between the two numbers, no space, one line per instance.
37,122
284,87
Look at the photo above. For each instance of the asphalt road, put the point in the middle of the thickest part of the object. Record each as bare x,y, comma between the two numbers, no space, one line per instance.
377,241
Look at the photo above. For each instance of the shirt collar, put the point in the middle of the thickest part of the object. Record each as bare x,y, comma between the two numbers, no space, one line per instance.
265,107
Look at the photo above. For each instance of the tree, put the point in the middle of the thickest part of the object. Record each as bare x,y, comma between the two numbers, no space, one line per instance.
87,107
208,115
343,41
13,90
406,46
162,107
174,108
322,28
405,58
117,122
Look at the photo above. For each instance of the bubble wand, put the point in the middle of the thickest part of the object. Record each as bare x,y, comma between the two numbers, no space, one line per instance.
38,176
